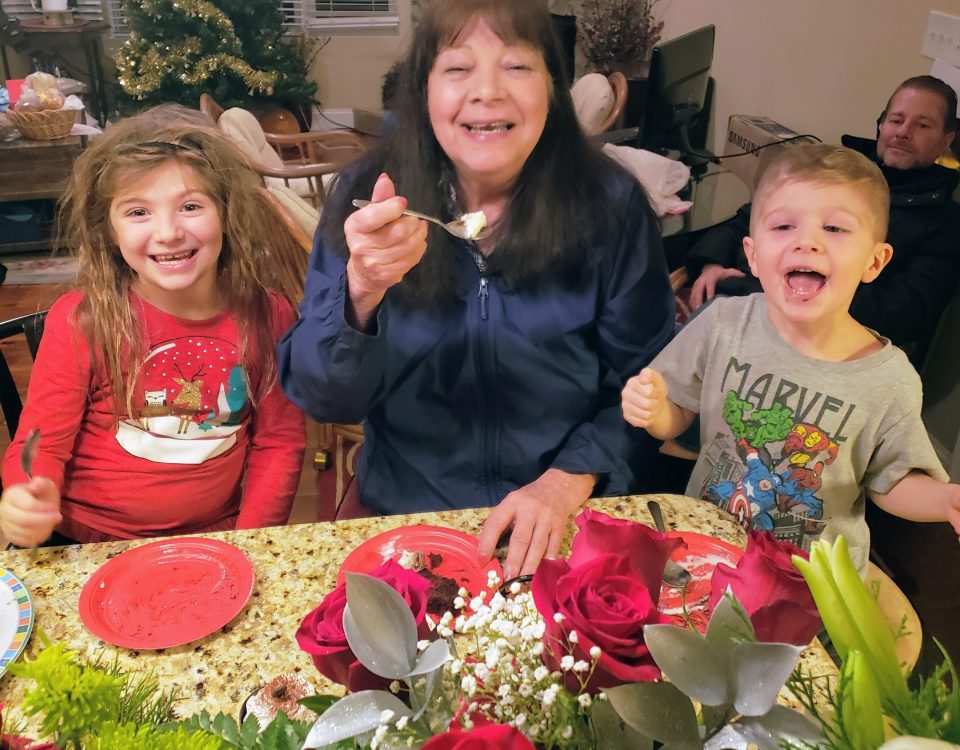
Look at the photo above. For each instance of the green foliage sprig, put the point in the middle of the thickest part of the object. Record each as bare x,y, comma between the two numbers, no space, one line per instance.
102,707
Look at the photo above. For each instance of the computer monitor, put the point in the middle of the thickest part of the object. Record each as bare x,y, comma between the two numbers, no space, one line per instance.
676,94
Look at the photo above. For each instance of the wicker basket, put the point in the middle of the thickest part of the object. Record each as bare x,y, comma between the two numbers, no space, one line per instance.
44,125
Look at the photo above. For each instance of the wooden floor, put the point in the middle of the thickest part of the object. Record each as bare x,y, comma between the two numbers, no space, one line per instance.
924,558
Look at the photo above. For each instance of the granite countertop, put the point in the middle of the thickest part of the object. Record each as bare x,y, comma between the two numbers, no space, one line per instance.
295,567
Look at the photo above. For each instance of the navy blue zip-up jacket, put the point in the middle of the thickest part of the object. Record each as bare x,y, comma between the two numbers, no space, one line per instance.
464,404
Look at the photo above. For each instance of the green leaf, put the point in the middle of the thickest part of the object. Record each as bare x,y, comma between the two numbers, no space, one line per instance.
283,734
658,710
352,715
611,732
379,627
759,671
691,663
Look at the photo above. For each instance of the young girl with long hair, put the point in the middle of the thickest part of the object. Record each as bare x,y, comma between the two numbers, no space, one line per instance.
155,387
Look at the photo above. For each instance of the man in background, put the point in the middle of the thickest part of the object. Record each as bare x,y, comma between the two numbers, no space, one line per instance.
905,303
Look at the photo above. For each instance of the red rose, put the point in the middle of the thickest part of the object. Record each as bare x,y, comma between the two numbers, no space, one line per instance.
607,602
321,632
648,550
499,736
771,590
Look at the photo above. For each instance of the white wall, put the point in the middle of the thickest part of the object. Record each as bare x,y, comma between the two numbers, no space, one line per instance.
817,66
350,69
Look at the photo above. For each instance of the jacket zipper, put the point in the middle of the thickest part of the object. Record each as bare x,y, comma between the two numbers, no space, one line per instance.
483,294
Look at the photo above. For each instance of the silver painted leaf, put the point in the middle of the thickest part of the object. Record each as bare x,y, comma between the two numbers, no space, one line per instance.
690,662
729,625
657,710
353,714
768,731
612,732
433,657
728,738
429,663
759,671
379,627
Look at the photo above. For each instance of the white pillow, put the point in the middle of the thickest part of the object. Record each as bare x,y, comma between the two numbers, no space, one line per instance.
593,100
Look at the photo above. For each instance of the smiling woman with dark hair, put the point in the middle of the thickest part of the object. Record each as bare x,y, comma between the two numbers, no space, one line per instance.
487,373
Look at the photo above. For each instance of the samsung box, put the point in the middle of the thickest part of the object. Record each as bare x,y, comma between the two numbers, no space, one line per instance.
747,132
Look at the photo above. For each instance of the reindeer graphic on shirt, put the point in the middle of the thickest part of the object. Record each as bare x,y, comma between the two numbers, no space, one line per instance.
187,402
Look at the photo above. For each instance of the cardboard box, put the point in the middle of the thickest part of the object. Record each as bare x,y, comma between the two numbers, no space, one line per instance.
747,132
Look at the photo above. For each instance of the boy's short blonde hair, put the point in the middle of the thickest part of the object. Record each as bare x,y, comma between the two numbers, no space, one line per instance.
827,164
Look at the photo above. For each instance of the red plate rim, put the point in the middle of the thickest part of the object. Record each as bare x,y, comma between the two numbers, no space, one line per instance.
235,566
405,538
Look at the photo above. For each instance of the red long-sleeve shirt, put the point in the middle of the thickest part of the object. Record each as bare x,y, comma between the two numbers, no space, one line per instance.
196,455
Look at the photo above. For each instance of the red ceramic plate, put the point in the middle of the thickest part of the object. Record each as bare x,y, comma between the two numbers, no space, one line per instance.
166,594
457,550
700,558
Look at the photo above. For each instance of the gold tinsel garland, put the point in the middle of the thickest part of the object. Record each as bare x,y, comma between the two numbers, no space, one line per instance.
142,68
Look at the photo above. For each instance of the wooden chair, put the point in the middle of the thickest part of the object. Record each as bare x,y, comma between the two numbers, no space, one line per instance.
618,82
300,161
31,328
599,101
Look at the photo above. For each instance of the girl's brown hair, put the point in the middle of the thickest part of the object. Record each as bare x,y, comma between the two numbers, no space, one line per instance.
258,254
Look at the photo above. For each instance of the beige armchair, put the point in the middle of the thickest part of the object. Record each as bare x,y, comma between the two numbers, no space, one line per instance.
302,162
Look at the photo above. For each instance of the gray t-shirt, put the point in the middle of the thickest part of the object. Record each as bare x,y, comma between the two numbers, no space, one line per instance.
790,443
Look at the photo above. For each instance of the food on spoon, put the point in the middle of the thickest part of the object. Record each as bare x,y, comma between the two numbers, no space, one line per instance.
473,223
281,694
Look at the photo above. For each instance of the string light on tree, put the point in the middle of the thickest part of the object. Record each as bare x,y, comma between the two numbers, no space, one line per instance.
232,49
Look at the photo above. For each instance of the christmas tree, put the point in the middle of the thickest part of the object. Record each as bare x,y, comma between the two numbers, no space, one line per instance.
231,49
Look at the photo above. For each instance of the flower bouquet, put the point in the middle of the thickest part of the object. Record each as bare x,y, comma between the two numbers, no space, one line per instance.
577,660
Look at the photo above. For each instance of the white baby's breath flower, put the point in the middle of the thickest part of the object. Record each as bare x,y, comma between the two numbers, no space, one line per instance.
469,685
581,666
423,645
573,637
540,673
515,587
567,732
595,652
537,649
566,663
584,700
558,617
395,686
378,736
386,716
402,722
463,592
459,603
520,720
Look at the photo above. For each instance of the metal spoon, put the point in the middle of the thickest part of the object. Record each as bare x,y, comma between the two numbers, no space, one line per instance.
455,227
29,451
673,574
